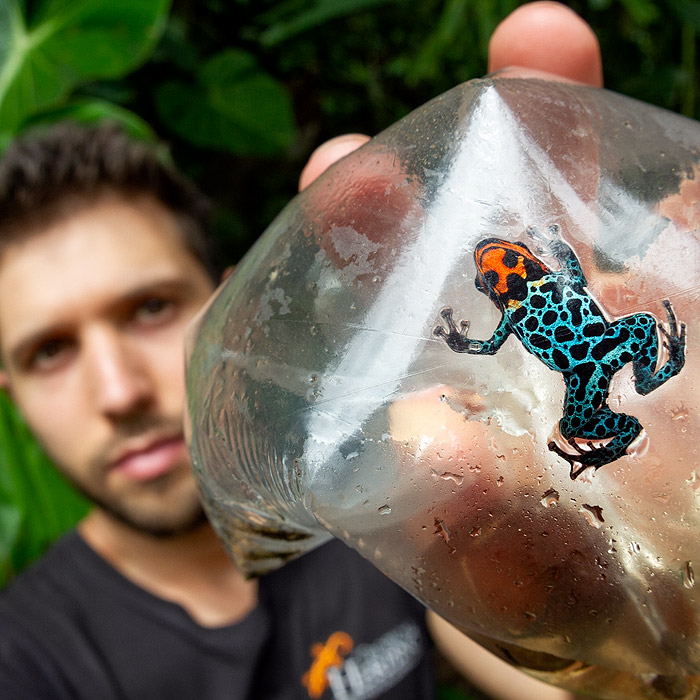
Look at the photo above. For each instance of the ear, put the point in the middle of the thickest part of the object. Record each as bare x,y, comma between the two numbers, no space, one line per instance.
5,382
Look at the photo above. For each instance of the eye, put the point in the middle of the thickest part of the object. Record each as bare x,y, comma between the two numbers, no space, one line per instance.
49,355
154,310
492,279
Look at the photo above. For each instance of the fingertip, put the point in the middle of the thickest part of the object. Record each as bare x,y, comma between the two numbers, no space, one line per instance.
327,154
549,37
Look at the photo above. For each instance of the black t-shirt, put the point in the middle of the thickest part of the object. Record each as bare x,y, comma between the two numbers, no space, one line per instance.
328,625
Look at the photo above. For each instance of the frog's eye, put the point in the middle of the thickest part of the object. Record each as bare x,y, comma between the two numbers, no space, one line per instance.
492,279
511,259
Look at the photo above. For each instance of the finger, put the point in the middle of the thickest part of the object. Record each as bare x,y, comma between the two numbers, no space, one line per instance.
327,154
547,37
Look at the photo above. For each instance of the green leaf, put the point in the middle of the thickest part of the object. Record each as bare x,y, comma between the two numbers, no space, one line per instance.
687,11
428,58
234,105
36,503
66,43
321,12
642,12
10,520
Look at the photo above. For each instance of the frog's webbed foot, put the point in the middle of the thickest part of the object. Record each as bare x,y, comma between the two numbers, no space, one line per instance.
545,242
647,375
577,467
577,446
674,337
607,438
575,473
456,338
451,330
578,462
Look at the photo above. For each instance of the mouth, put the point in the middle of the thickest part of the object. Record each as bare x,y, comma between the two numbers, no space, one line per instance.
154,459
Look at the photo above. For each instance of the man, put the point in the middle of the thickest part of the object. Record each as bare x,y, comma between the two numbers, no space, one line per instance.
103,261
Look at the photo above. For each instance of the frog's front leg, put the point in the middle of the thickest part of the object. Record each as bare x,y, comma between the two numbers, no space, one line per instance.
458,341
562,251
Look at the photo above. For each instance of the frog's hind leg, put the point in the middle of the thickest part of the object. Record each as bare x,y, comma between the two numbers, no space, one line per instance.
588,419
619,429
646,376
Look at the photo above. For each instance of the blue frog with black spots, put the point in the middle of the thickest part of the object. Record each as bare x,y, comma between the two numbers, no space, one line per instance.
557,321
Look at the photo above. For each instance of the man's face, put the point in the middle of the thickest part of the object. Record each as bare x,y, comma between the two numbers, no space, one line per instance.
93,311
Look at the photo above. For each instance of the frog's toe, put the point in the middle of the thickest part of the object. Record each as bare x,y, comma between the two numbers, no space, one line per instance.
675,330
446,314
580,447
574,460
575,473
571,459
674,341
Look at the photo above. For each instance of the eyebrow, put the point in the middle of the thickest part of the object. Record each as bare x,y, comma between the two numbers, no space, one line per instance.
35,338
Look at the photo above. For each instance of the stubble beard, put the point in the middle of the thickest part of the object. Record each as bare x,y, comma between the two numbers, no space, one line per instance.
186,513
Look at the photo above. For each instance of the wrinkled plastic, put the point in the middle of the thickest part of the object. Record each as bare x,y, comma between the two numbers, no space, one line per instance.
331,394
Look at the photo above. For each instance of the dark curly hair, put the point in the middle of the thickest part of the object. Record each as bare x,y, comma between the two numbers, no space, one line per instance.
54,171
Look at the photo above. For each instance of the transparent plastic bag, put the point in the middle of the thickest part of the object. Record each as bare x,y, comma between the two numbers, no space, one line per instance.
530,474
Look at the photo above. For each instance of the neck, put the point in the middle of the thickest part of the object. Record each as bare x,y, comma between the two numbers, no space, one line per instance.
191,569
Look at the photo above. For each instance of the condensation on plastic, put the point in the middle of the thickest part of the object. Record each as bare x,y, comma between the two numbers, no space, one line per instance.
321,402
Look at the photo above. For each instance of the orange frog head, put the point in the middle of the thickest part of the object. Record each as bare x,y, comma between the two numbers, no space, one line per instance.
503,270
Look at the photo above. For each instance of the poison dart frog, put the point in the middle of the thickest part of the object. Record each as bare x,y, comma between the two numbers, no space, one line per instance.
556,320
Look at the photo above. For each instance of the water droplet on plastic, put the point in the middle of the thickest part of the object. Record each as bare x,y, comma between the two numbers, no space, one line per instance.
640,446
475,532
448,476
593,514
499,481
442,530
384,510
688,575
550,498
680,412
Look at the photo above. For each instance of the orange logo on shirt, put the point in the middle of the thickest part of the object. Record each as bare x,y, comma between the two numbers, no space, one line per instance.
326,656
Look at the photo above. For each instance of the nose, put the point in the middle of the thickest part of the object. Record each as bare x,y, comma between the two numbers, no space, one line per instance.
116,373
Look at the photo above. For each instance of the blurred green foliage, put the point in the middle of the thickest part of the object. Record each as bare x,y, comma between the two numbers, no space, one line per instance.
243,90
36,504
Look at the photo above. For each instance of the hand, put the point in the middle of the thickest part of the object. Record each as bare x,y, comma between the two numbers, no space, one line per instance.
542,39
